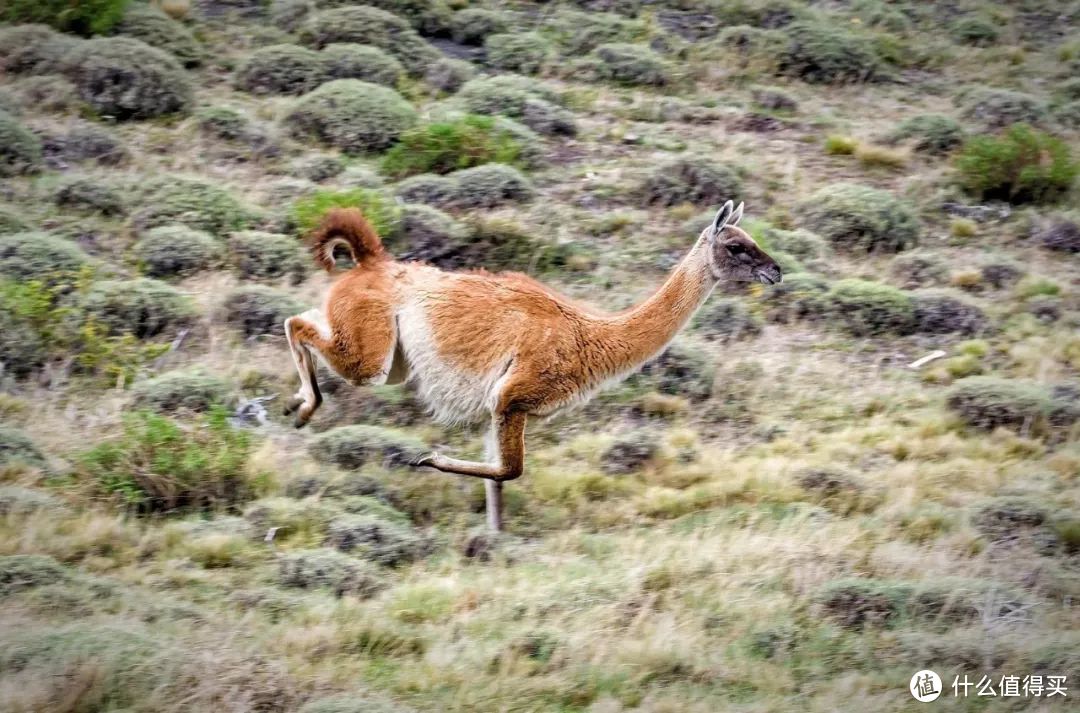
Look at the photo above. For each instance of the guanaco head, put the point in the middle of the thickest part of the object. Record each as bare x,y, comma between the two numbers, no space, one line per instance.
733,254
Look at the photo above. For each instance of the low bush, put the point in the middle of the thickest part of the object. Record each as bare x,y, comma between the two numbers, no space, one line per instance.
380,210
1006,518
11,221
281,69
20,150
634,65
329,569
1023,166
19,572
191,202
1068,115
223,123
371,26
858,217
175,251
447,146
257,310
930,133
160,465
630,452
501,244
87,17
429,17
141,307
522,52
682,370
318,167
16,447
817,52
448,74
1001,274
1062,235
87,142
988,402
691,180
363,62
859,603
39,256
939,312
726,320
998,108
25,313
578,33
187,390
351,115
268,256
490,185
90,195
128,79
472,25
836,491
521,98
16,500
353,446
428,235
866,308
47,92
33,49
800,243
157,29
775,99
974,30
919,268
428,188
797,297
377,540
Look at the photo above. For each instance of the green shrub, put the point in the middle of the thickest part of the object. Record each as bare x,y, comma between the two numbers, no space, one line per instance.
363,62
16,447
448,74
11,221
501,244
223,123
753,50
930,133
429,17
691,180
90,143
19,572
39,256
998,108
157,29
578,33
682,370
989,402
318,167
801,243
268,256
141,307
427,234
188,390
91,195
519,98
857,603
447,146
85,17
34,49
372,26
472,25
330,569
938,312
257,310
427,188
380,210
490,185
377,540
353,446
176,251
282,69
351,115
20,150
836,145
160,465
128,79
866,308
797,297
974,30
191,202
919,268
858,217
523,52
726,320
1023,166
635,65
822,53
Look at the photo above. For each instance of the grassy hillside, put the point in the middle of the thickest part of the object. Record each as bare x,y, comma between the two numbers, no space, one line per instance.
781,513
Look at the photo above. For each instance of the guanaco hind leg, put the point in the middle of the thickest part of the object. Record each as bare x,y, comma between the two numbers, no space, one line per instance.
509,463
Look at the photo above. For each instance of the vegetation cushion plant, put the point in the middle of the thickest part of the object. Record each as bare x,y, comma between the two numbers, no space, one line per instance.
363,62
997,108
857,217
524,52
1022,166
930,133
176,251
17,447
371,26
257,310
448,74
989,402
189,390
157,29
629,64
142,307
20,150
817,52
353,446
282,69
442,147
866,308
699,181
427,188
86,17
490,185
351,115
41,256
520,98
192,202
330,569
261,255
91,195
472,25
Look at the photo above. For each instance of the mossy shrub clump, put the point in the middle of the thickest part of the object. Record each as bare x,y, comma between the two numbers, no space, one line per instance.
39,256
142,307
427,188
490,185
629,64
939,312
976,30
861,218
381,210
503,244
371,26
449,74
20,572
88,142
427,234
997,108
47,93
473,25
17,447
191,202
691,180
726,320
282,69
919,268
176,251
222,122
17,500
822,53
11,221
578,33
631,452
353,446
934,134
442,147
351,115
363,62
682,370
268,256
33,49
329,569
87,17
90,195
989,402
522,52
521,98
865,308
20,149
256,310
1022,166
375,539
428,17
157,29
1062,235
181,390
125,78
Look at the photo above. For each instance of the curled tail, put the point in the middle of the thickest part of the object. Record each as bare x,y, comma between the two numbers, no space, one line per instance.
348,227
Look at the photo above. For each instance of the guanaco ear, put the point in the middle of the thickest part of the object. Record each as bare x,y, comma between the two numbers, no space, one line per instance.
737,215
722,218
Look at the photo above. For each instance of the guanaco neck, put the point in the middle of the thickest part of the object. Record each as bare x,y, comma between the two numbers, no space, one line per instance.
621,343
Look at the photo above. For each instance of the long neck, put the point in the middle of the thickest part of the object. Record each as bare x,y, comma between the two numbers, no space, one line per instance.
625,341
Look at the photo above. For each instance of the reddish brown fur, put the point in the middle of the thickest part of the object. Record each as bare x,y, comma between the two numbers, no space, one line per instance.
347,226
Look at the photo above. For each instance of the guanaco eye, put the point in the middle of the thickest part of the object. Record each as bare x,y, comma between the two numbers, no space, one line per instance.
736,249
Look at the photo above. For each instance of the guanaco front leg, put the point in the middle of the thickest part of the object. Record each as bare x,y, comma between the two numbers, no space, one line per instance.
308,398
510,441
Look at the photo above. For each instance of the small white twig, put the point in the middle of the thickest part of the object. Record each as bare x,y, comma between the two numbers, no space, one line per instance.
927,359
